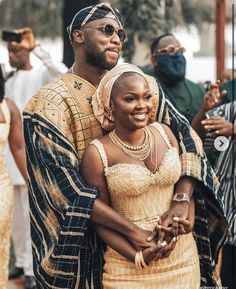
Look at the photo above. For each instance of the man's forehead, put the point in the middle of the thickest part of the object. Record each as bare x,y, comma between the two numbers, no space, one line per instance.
102,21
93,13
168,40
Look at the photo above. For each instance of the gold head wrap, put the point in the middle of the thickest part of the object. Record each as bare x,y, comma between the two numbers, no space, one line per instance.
101,98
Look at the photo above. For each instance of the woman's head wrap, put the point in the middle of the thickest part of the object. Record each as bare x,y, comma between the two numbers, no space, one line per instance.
91,13
101,98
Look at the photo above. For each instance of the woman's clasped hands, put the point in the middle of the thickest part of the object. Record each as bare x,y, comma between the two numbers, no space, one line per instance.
162,240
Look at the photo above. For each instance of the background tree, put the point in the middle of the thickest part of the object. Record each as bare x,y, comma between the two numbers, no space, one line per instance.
43,16
148,19
145,19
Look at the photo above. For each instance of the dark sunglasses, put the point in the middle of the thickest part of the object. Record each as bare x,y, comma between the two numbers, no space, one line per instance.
171,50
109,30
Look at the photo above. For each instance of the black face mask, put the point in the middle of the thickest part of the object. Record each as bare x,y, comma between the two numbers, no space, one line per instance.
171,67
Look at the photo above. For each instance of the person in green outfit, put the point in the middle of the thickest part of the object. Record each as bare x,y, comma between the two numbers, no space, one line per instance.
169,65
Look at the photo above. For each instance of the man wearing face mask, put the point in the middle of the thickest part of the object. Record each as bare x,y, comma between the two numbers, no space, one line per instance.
169,66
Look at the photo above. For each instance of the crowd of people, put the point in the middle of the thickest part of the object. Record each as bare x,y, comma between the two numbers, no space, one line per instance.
111,186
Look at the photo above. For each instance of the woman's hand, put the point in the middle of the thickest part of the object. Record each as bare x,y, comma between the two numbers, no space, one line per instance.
170,226
185,226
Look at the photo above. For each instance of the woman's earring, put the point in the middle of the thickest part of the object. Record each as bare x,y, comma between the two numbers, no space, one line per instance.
111,117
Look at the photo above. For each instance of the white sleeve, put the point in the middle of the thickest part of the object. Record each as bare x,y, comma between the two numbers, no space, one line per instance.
52,69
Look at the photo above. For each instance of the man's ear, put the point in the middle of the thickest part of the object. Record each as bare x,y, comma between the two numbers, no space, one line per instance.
78,36
154,60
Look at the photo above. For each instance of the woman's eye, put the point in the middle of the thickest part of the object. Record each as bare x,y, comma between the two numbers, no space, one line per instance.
148,97
129,98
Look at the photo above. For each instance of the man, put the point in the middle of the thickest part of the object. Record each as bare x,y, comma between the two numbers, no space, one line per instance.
169,67
58,125
221,121
225,170
24,82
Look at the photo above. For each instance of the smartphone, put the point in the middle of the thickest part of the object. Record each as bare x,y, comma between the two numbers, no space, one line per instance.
11,36
209,114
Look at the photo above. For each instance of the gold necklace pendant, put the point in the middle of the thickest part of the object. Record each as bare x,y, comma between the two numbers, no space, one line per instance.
139,153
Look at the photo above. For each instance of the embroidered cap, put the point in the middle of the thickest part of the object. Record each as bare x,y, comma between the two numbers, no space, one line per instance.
92,13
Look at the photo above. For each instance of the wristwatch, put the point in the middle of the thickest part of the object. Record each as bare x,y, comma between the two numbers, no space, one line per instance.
181,197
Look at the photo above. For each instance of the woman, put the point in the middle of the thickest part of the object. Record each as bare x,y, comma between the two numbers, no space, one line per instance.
135,168
11,131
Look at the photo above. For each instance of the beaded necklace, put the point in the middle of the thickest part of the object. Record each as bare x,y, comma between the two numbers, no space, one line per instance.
139,153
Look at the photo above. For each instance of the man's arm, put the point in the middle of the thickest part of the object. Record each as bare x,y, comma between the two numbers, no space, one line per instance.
53,69
61,204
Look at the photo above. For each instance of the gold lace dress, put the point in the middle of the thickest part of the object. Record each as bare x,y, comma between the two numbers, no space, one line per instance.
6,201
141,196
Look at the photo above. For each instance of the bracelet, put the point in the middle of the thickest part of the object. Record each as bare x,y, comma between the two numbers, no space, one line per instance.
139,260
144,265
181,197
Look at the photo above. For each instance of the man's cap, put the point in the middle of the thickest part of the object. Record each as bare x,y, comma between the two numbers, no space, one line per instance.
92,13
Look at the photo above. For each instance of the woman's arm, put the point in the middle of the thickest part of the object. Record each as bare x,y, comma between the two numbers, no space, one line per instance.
93,172
16,139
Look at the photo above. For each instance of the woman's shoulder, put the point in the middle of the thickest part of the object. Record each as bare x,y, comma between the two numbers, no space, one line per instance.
163,128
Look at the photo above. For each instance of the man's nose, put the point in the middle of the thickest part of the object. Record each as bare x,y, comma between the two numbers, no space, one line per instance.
115,38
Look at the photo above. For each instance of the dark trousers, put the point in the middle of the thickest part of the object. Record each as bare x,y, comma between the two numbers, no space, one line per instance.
228,271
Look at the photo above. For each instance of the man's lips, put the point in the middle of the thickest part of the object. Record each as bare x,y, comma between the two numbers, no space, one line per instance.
113,50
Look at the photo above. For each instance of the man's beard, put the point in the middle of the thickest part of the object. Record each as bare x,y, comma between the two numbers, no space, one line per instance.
99,61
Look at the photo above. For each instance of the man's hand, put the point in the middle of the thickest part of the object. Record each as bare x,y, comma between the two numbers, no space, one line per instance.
28,39
159,251
142,239
219,125
213,97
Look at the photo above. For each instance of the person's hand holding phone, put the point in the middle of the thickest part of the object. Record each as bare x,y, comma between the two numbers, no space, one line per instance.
28,39
214,96
23,37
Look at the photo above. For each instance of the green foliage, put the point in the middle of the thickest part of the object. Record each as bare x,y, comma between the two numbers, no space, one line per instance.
145,17
43,16
151,18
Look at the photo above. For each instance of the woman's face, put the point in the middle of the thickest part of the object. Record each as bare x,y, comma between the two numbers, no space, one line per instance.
131,101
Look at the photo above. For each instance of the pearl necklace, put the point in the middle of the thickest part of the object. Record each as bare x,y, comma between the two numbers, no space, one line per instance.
129,147
139,153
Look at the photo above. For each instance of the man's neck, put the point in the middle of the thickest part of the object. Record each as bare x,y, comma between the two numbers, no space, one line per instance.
90,73
27,66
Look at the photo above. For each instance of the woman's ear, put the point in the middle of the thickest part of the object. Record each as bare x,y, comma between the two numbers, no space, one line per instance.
78,36
112,105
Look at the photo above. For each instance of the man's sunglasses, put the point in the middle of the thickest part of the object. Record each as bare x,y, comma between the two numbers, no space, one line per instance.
171,50
109,30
